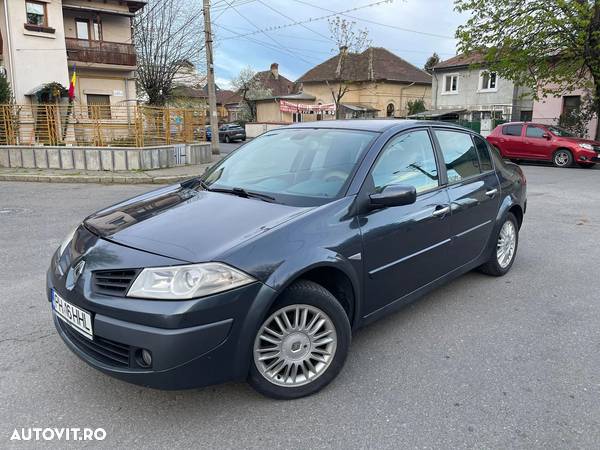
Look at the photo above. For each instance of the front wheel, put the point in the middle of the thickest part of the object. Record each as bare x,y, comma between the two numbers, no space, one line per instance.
507,241
562,158
302,345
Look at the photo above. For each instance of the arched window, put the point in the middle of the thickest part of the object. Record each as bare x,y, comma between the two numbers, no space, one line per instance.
390,110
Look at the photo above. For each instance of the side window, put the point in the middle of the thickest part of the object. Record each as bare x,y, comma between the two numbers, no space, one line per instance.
407,159
459,153
512,130
483,152
535,132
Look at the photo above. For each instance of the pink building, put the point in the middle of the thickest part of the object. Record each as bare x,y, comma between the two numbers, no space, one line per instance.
548,110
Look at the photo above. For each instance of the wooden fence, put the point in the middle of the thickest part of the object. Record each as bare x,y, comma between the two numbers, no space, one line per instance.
100,125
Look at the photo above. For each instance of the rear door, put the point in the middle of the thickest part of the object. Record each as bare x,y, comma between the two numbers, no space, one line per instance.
510,140
473,189
405,247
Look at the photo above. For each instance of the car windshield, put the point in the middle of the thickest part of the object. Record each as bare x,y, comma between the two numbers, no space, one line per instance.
300,167
560,132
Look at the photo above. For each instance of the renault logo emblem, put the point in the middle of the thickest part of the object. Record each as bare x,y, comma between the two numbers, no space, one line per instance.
78,270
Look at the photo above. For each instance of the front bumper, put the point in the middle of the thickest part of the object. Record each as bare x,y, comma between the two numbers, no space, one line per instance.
193,343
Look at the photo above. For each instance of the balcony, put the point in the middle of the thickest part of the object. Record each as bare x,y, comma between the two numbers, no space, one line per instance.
100,52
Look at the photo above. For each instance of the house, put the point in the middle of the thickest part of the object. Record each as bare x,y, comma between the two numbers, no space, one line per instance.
380,83
43,39
550,109
463,89
185,96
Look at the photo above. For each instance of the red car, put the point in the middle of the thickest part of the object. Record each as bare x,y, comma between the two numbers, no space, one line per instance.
534,141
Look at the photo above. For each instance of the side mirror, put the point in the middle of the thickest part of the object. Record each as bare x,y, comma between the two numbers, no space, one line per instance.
394,195
546,136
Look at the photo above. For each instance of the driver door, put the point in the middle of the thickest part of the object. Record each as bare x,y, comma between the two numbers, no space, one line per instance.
405,247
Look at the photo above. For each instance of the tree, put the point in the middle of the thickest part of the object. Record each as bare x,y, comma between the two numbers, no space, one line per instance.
415,106
251,89
432,61
6,96
348,41
550,46
168,36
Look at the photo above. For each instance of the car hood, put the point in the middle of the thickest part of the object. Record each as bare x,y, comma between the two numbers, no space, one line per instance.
581,141
191,225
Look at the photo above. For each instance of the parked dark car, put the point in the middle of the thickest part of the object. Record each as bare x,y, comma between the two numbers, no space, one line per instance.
261,268
231,132
534,141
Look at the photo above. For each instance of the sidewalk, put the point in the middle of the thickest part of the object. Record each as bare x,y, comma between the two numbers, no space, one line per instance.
158,176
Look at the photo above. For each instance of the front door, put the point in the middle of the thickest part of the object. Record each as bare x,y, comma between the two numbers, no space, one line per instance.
538,146
405,247
474,192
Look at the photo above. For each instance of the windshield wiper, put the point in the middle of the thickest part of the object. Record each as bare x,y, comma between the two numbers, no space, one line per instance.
241,192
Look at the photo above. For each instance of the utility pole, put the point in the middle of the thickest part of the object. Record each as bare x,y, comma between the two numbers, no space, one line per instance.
210,79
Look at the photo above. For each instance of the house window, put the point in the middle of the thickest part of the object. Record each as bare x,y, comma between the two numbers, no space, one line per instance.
36,13
296,117
526,116
450,83
571,105
488,81
98,106
97,27
389,111
82,29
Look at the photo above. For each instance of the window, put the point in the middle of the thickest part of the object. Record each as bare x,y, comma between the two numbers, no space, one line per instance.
488,81
485,162
82,29
389,111
459,153
512,130
296,117
450,83
407,159
36,13
98,106
571,105
526,116
97,27
535,132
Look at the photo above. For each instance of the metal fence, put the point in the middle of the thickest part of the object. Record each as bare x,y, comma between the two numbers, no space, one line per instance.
100,125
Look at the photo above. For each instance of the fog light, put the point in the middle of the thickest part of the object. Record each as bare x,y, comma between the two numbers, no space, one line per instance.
583,158
146,357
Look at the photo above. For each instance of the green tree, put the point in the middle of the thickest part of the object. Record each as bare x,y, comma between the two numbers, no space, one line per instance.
6,96
415,106
431,62
551,46
250,87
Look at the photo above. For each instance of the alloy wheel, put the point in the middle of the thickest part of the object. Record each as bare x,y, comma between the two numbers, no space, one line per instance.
562,158
295,345
507,242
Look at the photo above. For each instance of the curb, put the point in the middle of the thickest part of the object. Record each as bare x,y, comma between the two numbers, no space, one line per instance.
169,179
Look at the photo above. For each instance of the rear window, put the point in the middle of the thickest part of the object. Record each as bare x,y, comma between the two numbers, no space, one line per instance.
512,130
485,162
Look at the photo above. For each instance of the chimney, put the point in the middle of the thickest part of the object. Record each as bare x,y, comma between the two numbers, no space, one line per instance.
344,50
275,70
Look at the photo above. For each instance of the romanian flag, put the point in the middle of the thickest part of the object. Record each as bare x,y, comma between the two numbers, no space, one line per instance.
72,84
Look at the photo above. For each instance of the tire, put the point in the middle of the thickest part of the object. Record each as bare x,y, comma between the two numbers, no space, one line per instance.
227,140
244,139
496,265
586,165
300,347
562,158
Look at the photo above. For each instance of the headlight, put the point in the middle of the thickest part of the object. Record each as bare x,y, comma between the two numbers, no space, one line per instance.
183,282
587,146
67,241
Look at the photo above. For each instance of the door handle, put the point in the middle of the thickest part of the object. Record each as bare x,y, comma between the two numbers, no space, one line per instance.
439,212
491,192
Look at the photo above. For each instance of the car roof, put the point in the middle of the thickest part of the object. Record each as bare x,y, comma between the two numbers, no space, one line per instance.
524,123
377,125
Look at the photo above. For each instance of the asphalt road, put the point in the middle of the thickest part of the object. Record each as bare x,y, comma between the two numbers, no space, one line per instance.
510,362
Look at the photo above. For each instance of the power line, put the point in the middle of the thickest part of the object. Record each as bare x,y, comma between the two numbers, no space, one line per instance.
264,33
311,19
343,13
289,18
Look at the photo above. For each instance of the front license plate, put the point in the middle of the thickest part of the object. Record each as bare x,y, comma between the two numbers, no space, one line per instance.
77,318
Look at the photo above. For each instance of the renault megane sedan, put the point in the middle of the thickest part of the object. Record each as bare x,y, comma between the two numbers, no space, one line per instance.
262,268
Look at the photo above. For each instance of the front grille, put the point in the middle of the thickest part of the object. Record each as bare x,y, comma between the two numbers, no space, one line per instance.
596,148
104,350
113,282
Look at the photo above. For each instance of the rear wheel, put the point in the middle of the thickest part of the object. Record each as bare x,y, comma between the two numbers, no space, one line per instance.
227,139
507,241
562,158
302,345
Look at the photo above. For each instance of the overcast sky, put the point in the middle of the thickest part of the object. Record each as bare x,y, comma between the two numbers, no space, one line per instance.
429,25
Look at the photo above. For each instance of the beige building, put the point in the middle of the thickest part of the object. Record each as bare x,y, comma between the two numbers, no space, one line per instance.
378,83
43,39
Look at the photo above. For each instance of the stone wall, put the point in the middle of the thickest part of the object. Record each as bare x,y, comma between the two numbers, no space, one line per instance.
111,159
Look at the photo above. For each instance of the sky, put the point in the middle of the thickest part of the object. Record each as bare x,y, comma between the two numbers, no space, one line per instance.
412,29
